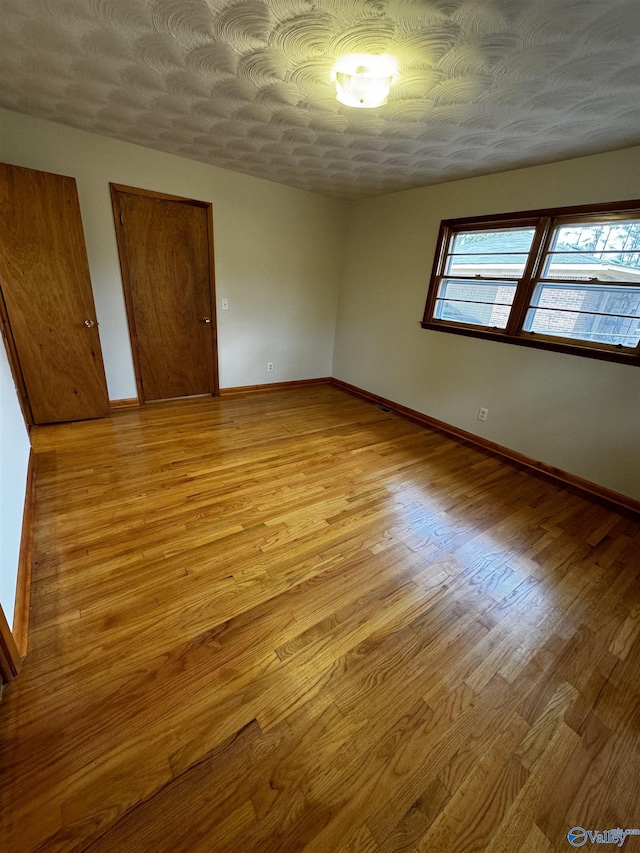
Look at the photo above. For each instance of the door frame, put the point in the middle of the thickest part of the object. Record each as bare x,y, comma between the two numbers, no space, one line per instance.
14,363
117,190
10,657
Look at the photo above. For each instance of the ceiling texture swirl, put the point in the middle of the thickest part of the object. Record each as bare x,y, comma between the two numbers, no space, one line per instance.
484,85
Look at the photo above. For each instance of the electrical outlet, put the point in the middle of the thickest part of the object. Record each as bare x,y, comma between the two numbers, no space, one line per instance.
269,366
482,414
225,304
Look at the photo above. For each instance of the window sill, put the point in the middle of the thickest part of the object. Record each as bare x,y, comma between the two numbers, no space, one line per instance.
535,342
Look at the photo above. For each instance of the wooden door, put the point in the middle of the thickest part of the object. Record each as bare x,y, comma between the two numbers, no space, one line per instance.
48,303
166,256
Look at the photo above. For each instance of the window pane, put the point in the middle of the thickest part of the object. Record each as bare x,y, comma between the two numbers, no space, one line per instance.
494,316
489,265
609,315
599,236
501,253
503,239
477,290
581,266
476,303
609,251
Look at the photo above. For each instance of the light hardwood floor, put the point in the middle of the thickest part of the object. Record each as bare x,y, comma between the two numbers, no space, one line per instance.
290,621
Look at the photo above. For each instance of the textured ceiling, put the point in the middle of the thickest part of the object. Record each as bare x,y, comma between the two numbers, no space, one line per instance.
485,85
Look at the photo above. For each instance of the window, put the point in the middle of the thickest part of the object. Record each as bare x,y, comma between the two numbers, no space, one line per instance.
565,279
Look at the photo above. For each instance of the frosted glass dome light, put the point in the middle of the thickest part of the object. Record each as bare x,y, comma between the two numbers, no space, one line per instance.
363,80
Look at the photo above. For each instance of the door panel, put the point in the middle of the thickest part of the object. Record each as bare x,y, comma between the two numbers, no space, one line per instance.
44,276
166,267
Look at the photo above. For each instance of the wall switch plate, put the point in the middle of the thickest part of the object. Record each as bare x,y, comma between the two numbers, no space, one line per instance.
225,304
482,414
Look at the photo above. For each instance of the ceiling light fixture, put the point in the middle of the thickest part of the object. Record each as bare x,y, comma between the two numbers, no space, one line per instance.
364,81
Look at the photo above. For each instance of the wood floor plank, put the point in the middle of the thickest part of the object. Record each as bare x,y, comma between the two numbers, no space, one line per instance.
192,806
555,820
536,792
290,621
491,787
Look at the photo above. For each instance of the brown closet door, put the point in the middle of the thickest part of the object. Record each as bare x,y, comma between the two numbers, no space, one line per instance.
44,276
166,260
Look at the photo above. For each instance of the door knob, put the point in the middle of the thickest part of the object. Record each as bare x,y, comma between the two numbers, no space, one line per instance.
206,319
89,324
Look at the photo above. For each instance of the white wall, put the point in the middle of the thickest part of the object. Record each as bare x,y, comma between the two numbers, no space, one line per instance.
572,412
14,458
278,251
